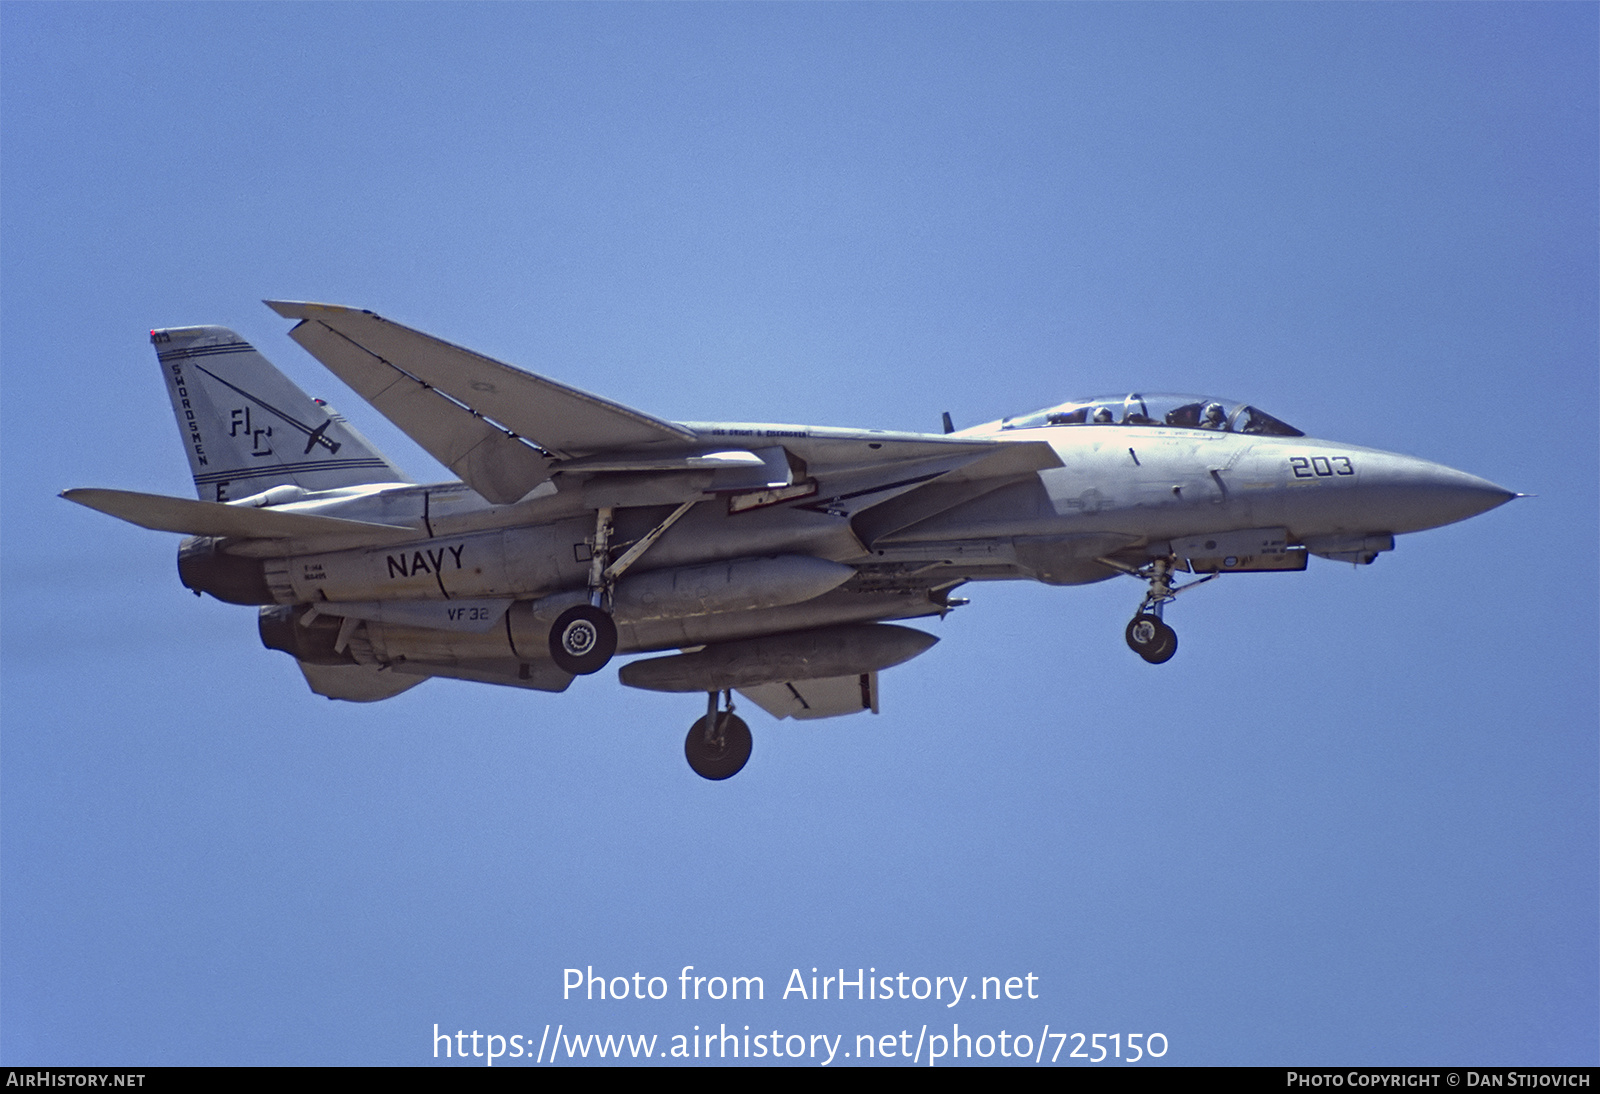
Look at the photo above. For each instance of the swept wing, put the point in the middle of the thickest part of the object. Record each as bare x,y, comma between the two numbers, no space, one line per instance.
474,414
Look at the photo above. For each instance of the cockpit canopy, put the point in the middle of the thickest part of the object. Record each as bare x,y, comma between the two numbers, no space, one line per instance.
1182,411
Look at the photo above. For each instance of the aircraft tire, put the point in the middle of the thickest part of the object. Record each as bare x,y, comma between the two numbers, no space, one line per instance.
724,754
1166,647
1151,638
582,640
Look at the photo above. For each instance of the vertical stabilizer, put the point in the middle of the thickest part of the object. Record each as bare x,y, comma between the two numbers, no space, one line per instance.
246,428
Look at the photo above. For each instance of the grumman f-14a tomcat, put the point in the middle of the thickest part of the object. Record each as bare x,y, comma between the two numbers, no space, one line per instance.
771,556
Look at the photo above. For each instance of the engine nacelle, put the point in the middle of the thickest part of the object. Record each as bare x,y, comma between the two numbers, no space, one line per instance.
520,637
311,642
233,579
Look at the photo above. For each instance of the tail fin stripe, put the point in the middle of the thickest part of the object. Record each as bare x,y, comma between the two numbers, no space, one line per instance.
204,351
278,469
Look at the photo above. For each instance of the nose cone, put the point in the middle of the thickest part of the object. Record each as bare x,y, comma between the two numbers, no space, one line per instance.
1405,494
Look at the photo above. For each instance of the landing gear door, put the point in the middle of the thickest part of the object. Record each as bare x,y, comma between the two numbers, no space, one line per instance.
825,698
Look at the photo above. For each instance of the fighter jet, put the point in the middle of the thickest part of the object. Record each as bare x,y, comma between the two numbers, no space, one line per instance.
770,558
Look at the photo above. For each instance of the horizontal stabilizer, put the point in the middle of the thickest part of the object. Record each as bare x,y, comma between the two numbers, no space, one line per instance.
469,411
210,518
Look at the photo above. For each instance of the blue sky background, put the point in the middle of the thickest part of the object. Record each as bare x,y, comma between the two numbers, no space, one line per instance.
1354,821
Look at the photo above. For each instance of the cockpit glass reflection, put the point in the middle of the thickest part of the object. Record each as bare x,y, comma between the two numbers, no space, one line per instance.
1182,411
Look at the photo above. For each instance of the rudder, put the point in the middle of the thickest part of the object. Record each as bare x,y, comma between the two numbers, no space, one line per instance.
246,427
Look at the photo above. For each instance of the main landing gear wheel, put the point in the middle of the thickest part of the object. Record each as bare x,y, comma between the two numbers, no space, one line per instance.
1152,639
583,640
720,752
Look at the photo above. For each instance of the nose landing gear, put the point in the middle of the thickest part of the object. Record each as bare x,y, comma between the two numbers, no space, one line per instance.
718,745
1151,638
1147,633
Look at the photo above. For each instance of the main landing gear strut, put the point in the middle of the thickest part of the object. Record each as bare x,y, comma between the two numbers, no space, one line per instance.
718,745
1147,633
584,636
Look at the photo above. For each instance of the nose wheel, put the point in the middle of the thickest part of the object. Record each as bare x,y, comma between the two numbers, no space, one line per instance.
718,745
1147,633
1151,638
